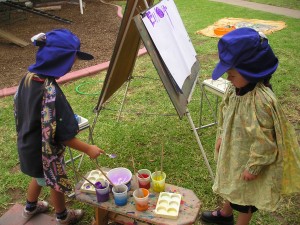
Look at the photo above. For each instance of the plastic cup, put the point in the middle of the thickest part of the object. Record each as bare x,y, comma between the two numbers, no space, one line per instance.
144,178
141,197
120,194
158,181
102,191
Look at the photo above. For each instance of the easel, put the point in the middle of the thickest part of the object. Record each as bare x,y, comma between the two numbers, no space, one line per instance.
131,31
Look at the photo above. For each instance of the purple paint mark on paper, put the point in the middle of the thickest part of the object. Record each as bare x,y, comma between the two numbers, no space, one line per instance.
151,18
165,9
159,12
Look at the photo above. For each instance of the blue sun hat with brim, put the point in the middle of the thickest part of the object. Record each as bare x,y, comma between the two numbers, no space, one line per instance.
247,51
57,52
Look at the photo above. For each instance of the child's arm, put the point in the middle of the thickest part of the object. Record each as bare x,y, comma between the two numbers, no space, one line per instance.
218,144
222,110
263,149
91,150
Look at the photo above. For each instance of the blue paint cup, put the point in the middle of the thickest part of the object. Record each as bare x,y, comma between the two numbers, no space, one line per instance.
120,194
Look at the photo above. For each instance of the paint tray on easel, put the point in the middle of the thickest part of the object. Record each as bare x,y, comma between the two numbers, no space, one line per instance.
82,122
168,205
94,176
218,85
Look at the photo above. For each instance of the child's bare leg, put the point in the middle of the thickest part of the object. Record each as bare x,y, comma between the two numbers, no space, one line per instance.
33,206
226,209
33,191
244,218
58,200
64,216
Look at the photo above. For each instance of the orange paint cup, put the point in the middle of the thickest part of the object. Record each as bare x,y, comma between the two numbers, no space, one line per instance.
141,198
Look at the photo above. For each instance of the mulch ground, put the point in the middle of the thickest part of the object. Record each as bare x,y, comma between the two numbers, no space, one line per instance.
97,29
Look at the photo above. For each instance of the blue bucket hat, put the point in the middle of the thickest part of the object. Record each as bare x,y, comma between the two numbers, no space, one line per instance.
57,52
247,51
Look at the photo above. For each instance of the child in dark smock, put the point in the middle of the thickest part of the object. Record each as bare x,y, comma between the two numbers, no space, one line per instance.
46,124
258,155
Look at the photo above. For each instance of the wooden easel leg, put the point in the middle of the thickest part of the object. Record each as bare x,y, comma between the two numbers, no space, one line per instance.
101,216
125,94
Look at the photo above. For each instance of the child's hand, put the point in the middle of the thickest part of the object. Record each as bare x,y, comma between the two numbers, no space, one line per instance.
93,151
248,176
218,144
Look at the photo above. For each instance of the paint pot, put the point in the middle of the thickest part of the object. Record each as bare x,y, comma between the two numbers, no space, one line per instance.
141,197
120,194
102,191
158,181
120,175
144,178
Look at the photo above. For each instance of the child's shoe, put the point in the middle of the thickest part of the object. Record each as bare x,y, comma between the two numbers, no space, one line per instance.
208,217
42,206
73,217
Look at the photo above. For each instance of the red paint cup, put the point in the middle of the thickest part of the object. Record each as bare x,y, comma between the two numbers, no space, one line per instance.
144,178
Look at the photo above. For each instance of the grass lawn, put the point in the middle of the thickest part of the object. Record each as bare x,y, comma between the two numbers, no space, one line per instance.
149,119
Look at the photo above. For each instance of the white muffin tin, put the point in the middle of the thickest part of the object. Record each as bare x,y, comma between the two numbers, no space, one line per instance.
168,205
94,176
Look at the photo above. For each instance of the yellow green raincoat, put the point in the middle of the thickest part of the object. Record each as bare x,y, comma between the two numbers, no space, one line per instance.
258,137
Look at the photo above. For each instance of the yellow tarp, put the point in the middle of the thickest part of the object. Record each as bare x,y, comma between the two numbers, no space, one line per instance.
265,26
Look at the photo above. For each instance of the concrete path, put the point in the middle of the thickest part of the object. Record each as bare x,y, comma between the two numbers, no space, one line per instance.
263,7
14,217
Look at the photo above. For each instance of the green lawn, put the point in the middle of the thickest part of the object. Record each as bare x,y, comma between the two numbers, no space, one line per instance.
150,120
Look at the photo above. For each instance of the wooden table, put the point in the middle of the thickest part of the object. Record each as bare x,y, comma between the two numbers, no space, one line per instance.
188,213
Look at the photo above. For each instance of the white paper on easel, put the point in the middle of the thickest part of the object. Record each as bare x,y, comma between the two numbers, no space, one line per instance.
170,37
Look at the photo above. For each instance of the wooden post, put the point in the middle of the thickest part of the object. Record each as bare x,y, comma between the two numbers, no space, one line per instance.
101,216
14,39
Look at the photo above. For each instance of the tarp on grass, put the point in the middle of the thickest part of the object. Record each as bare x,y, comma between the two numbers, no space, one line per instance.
265,26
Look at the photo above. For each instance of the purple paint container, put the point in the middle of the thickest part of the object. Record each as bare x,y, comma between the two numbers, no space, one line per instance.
102,191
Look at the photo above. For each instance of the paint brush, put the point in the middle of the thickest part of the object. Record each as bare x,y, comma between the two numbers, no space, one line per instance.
98,167
140,193
141,175
132,160
135,171
84,178
162,158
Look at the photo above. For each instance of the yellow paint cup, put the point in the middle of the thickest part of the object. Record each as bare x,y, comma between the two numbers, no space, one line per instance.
158,181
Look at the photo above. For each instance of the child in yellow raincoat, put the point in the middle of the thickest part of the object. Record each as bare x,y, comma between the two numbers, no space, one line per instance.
258,155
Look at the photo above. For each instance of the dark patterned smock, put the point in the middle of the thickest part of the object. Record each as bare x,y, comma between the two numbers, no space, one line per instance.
28,105
258,137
